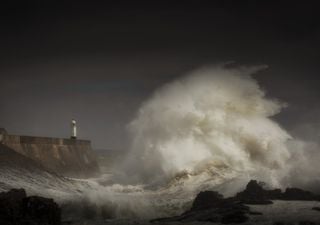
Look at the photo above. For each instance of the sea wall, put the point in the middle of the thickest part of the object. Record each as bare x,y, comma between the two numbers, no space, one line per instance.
69,157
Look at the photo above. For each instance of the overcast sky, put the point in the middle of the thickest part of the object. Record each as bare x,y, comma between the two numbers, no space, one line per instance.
98,62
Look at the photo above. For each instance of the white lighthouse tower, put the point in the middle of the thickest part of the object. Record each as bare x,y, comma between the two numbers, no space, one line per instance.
73,129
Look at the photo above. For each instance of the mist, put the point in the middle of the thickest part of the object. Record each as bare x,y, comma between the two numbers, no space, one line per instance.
211,129
214,121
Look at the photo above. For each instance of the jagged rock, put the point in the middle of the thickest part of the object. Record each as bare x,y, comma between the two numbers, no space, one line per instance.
18,209
274,194
210,206
298,194
255,194
207,199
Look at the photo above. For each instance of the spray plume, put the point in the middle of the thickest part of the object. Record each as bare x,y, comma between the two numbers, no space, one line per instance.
210,130
213,119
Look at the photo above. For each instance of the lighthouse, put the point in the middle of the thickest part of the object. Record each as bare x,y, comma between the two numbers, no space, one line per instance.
73,129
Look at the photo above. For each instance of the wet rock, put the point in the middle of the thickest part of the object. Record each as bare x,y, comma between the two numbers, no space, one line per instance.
41,210
207,199
255,194
210,206
17,208
298,194
10,204
316,208
234,217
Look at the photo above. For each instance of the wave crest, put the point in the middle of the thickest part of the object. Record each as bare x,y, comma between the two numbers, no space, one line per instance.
217,115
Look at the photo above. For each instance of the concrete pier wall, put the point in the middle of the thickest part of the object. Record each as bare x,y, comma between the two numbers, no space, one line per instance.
69,157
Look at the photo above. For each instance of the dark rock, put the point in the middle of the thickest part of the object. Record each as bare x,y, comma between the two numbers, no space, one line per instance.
10,204
234,217
207,199
307,223
316,208
68,222
279,223
298,194
41,210
273,194
210,206
254,194
255,213
18,209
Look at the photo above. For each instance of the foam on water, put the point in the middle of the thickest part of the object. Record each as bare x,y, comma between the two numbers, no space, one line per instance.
211,129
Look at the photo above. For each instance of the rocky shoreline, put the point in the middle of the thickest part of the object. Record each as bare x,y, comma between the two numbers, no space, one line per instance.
16,208
210,206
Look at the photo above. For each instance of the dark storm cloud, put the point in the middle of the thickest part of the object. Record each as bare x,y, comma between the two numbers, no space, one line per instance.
98,61
78,28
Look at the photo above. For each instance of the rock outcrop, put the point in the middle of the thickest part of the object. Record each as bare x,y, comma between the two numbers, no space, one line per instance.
206,200
298,194
256,194
18,209
210,206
